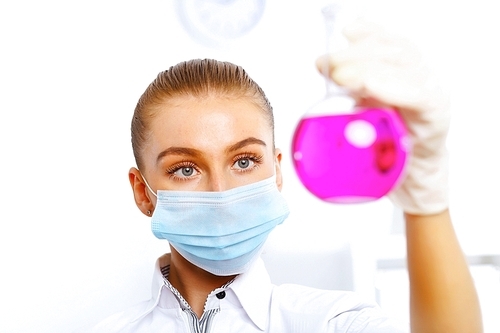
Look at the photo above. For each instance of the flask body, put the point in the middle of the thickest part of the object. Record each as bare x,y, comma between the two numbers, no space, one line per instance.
352,157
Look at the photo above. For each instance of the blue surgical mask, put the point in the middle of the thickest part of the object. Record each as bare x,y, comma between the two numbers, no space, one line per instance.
220,232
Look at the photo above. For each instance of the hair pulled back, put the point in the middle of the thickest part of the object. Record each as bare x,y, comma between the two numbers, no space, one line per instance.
197,78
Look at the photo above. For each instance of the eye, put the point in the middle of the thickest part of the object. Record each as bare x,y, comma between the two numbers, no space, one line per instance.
243,163
247,162
183,171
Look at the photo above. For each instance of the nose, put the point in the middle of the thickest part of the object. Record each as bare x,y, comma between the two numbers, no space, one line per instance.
217,183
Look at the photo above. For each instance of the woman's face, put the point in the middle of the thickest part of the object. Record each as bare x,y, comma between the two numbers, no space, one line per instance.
211,144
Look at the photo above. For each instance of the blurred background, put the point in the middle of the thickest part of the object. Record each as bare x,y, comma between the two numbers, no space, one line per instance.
73,246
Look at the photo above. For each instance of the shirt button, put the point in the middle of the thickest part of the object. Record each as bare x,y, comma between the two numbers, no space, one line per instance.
221,295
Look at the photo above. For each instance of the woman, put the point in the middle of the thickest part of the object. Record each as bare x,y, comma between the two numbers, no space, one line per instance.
209,176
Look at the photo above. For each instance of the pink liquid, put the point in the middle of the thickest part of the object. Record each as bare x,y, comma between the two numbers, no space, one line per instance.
337,169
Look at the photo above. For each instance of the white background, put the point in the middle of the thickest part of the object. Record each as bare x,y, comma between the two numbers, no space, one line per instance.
73,246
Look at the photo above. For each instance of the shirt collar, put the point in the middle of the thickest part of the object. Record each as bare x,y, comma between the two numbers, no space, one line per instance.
158,280
253,290
157,287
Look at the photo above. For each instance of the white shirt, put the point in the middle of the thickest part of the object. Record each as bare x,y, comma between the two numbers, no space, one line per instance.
251,303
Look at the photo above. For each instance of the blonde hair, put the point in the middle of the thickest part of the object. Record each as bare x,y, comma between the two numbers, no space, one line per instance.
197,78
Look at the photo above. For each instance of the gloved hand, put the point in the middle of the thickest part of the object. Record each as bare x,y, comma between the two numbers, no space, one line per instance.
381,68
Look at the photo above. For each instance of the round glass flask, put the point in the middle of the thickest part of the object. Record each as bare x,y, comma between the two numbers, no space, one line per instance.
345,153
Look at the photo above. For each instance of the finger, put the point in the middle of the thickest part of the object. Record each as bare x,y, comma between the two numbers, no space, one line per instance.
361,28
388,84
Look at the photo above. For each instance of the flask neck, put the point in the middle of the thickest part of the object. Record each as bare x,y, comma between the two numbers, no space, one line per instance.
334,41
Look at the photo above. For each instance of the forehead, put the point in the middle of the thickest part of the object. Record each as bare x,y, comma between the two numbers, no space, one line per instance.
212,121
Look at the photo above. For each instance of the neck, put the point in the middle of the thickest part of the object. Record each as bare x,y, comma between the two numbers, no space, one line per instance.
193,283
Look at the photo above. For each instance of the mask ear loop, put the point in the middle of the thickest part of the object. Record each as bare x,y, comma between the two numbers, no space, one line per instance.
147,184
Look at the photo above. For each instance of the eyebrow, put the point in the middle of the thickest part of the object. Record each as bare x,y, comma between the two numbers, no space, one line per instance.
196,153
178,151
244,143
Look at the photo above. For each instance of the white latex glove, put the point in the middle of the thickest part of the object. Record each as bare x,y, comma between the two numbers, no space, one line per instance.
377,66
